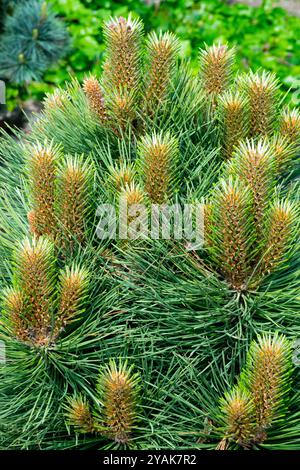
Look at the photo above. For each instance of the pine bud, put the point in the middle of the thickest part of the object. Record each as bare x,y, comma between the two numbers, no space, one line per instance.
94,94
238,417
267,376
158,154
232,116
32,223
132,193
284,152
216,64
122,68
42,165
15,314
55,100
290,126
35,271
78,414
260,90
75,185
121,175
121,109
118,391
162,52
73,289
229,232
254,165
279,232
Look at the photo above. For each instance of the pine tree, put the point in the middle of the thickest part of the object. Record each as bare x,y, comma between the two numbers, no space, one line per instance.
151,342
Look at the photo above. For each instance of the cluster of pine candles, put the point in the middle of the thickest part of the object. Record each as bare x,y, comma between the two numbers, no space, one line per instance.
144,344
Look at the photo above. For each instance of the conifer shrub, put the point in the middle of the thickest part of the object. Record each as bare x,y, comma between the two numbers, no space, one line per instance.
31,40
148,342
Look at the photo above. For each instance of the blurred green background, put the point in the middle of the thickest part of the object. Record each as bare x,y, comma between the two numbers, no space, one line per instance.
265,36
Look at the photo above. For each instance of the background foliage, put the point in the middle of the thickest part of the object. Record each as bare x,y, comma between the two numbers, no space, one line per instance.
266,36
32,39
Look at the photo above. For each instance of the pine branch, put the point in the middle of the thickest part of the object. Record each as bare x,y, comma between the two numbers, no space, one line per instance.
208,223
261,396
31,311
33,40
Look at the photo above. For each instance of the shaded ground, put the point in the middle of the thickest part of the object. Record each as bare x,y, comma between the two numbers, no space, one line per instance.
19,117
